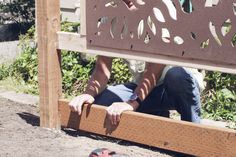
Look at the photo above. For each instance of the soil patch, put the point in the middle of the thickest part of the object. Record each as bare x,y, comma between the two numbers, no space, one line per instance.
21,136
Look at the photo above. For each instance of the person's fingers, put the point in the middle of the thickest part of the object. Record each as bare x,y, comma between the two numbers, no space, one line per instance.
90,100
79,108
71,105
118,118
109,113
114,118
76,104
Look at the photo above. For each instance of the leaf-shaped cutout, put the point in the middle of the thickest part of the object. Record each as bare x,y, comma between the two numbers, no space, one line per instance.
151,25
211,3
102,20
234,8
226,27
171,9
131,35
140,28
113,27
147,38
234,41
124,30
205,44
193,36
187,6
158,14
98,33
214,34
165,35
112,4
140,2
178,40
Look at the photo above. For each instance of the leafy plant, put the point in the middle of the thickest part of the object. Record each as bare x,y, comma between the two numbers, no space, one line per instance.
76,68
219,101
120,72
17,11
4,71
75,72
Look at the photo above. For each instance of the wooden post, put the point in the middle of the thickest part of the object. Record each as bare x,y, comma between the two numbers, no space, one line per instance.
83,17
48,23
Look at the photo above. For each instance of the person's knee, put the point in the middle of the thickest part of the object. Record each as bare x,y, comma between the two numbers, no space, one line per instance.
178,79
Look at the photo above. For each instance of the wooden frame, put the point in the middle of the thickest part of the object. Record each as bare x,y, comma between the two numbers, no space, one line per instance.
54,112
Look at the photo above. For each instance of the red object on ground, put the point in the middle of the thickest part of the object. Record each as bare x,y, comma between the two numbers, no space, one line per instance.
104,152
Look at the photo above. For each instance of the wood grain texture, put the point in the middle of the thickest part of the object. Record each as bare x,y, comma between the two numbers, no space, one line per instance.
83,17
75,42
48,23
155,131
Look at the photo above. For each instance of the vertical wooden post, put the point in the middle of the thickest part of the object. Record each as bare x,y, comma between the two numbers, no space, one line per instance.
83,17
48,23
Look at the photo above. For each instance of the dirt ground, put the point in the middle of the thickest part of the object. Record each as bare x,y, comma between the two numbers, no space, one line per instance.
21,136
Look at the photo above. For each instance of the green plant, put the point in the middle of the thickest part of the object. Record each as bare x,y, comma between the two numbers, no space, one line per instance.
25,67
4,71
17,11
219,101
76,70
120,72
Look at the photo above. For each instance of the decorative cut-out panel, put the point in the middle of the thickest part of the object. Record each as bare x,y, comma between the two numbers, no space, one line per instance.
197,29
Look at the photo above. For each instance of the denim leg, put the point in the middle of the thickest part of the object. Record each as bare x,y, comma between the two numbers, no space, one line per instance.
155,103
117,93
122,93
183,91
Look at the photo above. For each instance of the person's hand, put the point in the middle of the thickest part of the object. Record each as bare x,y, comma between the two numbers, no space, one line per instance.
77,102
114,111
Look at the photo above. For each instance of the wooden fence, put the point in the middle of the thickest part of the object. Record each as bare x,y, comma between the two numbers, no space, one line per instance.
201,39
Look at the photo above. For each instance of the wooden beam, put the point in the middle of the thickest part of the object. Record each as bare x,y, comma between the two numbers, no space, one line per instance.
83,17
155,131
48,23
75,42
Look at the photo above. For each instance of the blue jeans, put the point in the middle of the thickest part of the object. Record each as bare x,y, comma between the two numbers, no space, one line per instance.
180,91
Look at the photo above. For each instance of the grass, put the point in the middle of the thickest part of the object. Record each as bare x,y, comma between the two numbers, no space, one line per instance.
14,85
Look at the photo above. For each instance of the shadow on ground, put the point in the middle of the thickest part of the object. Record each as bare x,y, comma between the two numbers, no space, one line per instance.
29,118
76,133
34,121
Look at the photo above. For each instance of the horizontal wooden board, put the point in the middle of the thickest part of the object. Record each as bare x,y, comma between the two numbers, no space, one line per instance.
71,4
69,15
154,131
76,42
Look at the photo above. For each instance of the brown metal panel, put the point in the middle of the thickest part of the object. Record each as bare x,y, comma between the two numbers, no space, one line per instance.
193,28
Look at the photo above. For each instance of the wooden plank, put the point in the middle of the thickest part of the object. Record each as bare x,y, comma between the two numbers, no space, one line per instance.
83,17
48,23
155,131
68,4
75,42
69,15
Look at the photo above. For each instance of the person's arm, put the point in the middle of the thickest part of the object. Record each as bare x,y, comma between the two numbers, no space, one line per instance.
150,78
148,82
96,84
101,74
